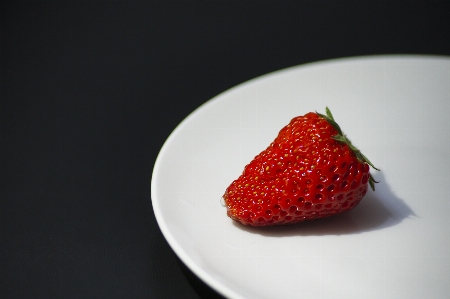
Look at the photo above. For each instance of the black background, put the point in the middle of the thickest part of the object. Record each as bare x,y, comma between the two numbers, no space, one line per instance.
91,90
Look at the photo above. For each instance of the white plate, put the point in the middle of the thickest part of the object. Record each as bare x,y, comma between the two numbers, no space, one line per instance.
395,244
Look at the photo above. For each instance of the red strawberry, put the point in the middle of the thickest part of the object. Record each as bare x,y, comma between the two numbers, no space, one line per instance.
310,171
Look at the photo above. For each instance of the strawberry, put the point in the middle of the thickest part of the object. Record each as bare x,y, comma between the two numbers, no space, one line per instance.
311,170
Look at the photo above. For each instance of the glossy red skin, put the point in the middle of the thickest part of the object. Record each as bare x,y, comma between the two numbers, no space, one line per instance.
303,175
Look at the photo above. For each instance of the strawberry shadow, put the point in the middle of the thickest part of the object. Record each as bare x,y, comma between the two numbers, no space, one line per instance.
378,210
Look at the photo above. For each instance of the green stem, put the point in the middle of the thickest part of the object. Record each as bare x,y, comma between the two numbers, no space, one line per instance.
343,138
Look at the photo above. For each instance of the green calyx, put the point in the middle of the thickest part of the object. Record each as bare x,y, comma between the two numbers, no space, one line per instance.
343,138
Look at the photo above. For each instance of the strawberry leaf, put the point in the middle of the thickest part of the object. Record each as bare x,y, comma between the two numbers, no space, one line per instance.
343,138
331,121
328,112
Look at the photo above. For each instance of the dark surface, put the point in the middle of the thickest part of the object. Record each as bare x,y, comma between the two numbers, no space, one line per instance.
90,92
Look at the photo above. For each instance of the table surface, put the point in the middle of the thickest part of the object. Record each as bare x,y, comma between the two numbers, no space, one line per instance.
89,94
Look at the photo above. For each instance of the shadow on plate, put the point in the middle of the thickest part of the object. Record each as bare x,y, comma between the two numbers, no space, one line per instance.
377,210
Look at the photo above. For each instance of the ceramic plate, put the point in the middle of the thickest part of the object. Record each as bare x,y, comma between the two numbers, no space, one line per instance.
394,244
